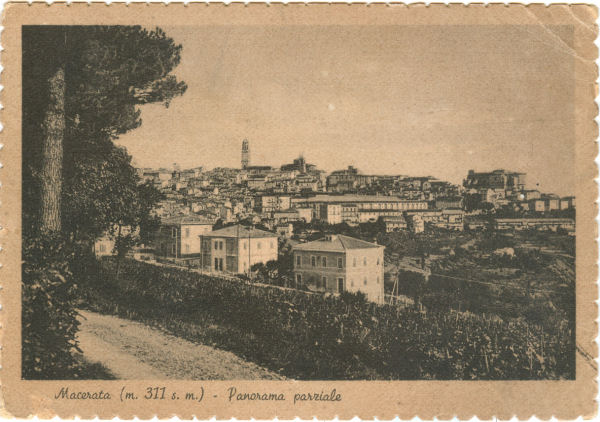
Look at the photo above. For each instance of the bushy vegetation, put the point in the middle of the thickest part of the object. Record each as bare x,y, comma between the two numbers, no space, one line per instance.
49,320
310,336
497,275
82,86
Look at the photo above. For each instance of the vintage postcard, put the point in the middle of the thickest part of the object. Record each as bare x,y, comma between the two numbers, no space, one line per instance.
268,210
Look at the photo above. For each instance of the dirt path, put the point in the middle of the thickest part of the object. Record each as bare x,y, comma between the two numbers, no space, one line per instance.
131,350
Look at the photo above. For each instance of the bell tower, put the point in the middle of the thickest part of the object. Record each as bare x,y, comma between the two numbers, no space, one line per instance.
245,154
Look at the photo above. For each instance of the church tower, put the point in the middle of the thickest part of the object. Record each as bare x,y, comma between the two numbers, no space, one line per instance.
245,154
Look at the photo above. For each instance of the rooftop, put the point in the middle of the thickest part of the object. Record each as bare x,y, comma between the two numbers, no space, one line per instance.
336,243
187,220
497,171
239,231
535,219
438,211
394,219
357,198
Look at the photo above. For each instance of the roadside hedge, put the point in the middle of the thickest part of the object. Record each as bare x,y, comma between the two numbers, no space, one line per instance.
312,336
49,300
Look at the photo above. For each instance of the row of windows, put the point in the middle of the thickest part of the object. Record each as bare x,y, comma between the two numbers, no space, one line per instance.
393,205
364,260
174,232
335,209
318,261
365,281
321,261
186,247
322,282
218,245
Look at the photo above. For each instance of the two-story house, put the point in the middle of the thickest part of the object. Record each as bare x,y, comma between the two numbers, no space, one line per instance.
236,248
178,236
340,263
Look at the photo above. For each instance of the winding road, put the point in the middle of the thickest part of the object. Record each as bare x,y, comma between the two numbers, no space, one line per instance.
132,350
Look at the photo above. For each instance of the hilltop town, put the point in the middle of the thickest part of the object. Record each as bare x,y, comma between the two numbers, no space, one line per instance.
300,191
232,221
448,266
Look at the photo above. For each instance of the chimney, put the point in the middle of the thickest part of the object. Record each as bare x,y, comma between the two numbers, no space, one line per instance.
331,237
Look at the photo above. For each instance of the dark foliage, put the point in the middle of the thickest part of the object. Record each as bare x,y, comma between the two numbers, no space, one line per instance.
310,336
108,72
49,317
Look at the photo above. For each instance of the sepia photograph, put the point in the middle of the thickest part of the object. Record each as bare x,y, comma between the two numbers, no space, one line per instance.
237,210
332,219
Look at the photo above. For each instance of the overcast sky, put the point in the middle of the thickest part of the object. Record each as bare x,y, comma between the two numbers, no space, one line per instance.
410,100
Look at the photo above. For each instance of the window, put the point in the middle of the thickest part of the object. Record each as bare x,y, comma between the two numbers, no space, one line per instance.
324,261
340,263
377,261
298,260
102,247
351,283
377,279
340,284
354,262
365,261
298,278
272,245
187,248
187,232
173,249
258,245
324,282
365,281
216,245
313,261
244,244
174,232
221,245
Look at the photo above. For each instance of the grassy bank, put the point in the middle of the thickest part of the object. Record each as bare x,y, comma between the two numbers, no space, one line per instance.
315,337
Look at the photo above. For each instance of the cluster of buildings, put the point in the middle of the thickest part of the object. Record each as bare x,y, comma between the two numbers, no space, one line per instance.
333,264
506,189
428,188
209,218
299,191
276,197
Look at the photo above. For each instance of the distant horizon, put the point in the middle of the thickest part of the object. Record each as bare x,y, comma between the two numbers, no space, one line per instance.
328,171
530,185
406,100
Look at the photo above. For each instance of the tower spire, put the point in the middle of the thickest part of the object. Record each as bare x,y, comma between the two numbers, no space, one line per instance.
245,154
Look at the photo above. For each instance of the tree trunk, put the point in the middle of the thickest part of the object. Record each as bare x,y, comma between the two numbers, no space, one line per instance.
118,251
51,172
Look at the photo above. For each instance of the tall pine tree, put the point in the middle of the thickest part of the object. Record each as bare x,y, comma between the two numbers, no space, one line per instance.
82,86
81,89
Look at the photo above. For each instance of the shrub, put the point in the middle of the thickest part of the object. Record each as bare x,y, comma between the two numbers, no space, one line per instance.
313,336
49,321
